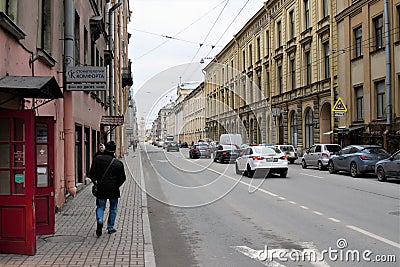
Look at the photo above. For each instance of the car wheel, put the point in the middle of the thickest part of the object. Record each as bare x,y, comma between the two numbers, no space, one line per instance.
320,166
381,174
303,164
220,160
331,167
353,169
283,174
250,172
237,169
291,161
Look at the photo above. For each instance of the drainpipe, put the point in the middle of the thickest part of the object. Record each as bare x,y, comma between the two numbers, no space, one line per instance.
111,69
388,64
69,144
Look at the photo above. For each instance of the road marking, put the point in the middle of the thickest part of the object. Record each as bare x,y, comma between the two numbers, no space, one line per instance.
319,177
334,220
318,213
162,160
387,241
377,237
292,202
270,257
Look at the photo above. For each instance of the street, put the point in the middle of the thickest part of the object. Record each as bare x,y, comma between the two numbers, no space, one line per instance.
203,214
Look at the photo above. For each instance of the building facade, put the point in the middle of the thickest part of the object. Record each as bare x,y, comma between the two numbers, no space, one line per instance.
369,59
52,132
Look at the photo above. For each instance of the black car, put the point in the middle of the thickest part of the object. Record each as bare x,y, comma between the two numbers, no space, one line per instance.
200,150
172,146
183,145
226,153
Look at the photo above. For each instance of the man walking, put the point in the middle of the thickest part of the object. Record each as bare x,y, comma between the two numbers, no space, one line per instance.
109,174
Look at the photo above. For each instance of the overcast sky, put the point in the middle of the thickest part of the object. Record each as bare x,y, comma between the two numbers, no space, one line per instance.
170,37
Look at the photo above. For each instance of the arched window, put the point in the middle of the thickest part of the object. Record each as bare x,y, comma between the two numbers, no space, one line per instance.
293,129
309,128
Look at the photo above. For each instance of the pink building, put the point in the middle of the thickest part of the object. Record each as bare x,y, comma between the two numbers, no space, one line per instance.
49,134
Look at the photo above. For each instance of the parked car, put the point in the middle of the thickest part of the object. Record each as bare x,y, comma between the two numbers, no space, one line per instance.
289,151
319,154
200,150
262,159
172,146
184,145
357,159
389,167
160,144
226,153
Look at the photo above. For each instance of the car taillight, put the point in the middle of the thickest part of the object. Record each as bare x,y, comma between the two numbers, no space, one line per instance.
223,153
364,157
283,158
257,158
325,154
195,149
208,149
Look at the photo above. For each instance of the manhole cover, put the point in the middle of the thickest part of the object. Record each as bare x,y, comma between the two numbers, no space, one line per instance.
64,239
396,213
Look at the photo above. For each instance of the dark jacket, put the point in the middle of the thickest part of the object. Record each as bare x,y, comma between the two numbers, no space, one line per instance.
108,186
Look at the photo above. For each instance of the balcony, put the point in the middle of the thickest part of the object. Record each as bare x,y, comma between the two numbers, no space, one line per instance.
127,75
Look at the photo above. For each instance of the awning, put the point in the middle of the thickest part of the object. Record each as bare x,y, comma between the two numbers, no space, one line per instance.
112,120
328,133
45,87
357,127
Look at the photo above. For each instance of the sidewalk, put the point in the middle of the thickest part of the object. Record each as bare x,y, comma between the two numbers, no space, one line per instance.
75,243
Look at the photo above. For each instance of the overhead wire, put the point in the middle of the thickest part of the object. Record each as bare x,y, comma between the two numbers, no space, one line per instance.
184,29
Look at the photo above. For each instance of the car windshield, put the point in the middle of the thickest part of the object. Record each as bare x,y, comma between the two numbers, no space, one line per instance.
333,148
286,148
277,150
264,150
229,147
203,146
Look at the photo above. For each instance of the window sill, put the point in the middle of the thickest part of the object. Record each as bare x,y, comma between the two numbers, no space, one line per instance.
7,24
357,58
377,50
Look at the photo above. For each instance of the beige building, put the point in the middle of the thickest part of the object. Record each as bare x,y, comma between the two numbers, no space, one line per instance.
193,116
274,81
362,71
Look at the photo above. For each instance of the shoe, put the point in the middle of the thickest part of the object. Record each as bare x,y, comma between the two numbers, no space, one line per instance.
99,229
111,231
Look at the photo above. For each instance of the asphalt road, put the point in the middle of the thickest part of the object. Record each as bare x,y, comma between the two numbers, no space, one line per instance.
203,214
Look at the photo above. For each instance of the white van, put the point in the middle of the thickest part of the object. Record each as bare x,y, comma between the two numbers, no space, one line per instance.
231,139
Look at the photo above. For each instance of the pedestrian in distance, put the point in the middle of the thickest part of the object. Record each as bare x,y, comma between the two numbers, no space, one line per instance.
100,151
109,174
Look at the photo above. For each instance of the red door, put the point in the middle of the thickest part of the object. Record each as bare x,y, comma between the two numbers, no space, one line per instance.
44,182
17,179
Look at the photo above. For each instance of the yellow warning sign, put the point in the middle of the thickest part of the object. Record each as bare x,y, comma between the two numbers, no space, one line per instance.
339,106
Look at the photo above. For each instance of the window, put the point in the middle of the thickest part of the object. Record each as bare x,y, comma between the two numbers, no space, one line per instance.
325,8
244,60
308,67
398,23
358,41
293,73
380,99
85,46
309,128
293,129
291,24
307,13
267,86
77,41
258,49
10,8
44,25
326,61
267,41
279,74
359,103
250,55
279,33
378,26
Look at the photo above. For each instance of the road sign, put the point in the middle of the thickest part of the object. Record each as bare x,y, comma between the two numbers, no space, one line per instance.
339,106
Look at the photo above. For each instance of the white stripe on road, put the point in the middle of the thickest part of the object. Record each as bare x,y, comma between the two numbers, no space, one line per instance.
318,213
304,207
334,220
292,202
377,237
